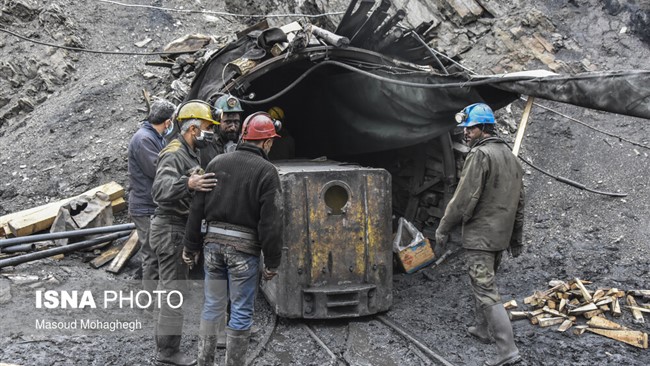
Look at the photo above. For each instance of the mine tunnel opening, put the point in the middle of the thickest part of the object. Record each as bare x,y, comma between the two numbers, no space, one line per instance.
319,122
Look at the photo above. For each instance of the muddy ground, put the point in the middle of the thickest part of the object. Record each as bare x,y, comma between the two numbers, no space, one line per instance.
65,122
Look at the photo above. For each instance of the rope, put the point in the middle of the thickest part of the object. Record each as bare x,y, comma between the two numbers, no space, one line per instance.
77,49
222,13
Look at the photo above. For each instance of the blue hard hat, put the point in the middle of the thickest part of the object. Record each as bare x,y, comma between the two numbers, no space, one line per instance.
475,114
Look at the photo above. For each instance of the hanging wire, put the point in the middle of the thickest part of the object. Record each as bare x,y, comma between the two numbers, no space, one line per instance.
77,49
223,13
592,127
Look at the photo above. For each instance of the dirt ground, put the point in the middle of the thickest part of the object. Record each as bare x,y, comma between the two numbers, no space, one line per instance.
66,119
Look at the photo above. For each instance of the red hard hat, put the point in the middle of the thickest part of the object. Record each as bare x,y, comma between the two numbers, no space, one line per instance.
258,126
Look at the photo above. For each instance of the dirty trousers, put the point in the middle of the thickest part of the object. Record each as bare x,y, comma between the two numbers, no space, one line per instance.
482,266
147,255
230,272
166,239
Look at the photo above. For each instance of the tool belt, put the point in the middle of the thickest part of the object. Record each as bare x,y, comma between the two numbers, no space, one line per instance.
231,230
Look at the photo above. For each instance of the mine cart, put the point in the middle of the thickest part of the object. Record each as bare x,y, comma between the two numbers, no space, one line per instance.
337,256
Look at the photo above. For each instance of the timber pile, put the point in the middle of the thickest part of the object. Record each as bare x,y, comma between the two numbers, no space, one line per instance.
566,303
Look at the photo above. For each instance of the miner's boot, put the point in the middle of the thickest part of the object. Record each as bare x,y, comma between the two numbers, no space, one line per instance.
168,341
221,331
480,330
502,331
236,347
207,342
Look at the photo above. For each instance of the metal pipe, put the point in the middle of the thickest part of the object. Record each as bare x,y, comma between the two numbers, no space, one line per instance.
61,250
65,234
29,247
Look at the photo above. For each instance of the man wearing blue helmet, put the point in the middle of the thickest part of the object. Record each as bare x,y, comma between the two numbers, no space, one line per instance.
489,204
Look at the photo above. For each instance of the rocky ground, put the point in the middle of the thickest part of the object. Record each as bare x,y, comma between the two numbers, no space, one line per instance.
66,118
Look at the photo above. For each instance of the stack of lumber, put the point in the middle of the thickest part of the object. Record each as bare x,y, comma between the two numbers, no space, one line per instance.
565,304
40,218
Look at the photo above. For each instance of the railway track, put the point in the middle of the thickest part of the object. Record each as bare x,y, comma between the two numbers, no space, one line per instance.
350,343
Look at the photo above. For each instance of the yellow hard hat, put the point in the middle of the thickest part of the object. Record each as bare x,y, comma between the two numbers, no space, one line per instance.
276,113
196,109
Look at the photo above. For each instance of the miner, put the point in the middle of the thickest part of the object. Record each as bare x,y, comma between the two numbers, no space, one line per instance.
228,112
178,178
144,147
244,217
489,204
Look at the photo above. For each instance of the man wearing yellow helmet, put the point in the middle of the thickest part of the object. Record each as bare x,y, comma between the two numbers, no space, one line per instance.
178,176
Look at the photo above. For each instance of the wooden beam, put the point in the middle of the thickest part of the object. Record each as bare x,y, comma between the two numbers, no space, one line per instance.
128,250
638,317
118,205
547,322
521,129
631,337
39,218
639,292
565,325
518,315
583,309
510,304
106,257
604,323
616,308
583,290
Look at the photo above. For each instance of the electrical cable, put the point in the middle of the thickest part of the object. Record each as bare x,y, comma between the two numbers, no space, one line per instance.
591,127
222,13
77,49
384,79
562,179
419,39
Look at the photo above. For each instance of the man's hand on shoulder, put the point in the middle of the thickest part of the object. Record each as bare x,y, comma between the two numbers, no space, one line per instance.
202,182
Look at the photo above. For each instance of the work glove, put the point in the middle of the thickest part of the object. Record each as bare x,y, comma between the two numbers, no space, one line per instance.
269,273
515,251
441,243
189,257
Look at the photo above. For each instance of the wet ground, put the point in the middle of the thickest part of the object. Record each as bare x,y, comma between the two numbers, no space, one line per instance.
82,125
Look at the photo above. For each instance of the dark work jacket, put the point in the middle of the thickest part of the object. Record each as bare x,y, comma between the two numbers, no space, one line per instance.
176,162
247,194
213,149
489,199
143,151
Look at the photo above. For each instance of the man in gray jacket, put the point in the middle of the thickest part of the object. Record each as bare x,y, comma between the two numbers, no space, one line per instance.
143,151
489,203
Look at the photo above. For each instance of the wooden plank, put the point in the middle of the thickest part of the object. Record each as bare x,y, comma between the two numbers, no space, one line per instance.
593,313
128,250
106,257
522,125
467,10
39,218
616,308
562,304
604,301
638,308
565,325
583,290
554,312
638,317
118,205
598,294
583,309
639,292
510,304
631,337
547,322
518,315
604,323
580,329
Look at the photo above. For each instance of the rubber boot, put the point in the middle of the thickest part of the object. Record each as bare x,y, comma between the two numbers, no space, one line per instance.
480,330
168,341
221,332
236,347
507,352
207,342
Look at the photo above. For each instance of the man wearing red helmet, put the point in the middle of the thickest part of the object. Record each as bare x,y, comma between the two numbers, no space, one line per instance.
244,216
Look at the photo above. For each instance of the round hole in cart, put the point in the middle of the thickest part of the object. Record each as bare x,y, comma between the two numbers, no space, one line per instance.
336,197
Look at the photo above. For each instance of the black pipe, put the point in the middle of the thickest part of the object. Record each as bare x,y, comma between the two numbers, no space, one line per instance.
61,250
28,247
65,234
